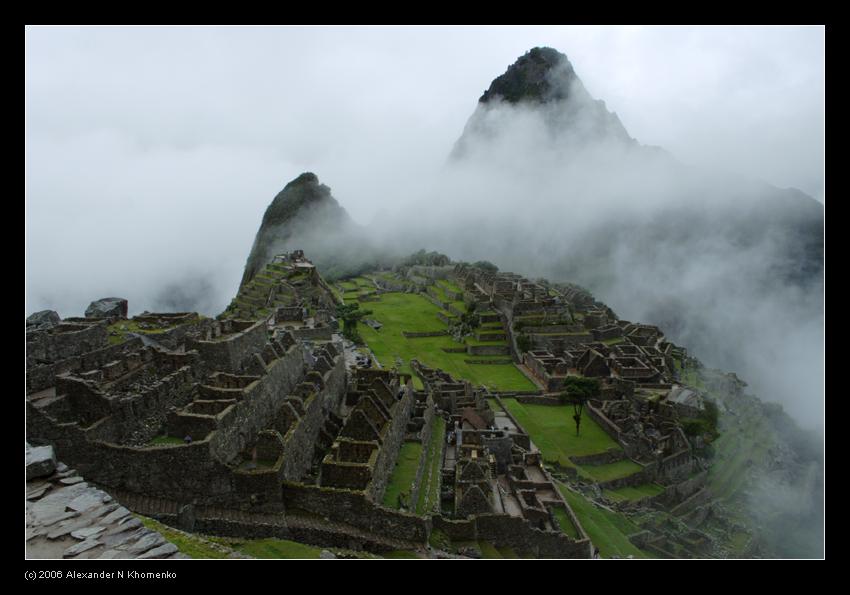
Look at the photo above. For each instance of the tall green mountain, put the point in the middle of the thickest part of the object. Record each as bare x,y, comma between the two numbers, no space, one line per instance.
302,211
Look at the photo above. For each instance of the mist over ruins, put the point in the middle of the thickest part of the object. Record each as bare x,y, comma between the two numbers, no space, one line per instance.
560,342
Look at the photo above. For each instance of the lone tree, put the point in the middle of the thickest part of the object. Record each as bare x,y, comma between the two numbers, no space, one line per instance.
577,391
350,314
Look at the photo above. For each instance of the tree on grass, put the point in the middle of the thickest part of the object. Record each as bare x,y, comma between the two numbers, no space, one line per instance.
350,314
577,391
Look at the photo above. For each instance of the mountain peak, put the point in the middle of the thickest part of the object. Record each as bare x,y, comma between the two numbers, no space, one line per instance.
542,74
304,204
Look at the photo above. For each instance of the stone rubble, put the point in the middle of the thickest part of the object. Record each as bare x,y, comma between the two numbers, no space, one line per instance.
68,518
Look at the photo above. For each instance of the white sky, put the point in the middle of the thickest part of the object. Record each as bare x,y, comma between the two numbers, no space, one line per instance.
154,151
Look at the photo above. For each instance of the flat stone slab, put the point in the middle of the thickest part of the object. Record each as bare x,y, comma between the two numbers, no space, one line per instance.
68,481
79,548
85,501
161,551
147,542
117,514
115,540
36,494
87,532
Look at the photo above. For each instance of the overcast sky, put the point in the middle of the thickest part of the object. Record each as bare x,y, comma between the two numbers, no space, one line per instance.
151,153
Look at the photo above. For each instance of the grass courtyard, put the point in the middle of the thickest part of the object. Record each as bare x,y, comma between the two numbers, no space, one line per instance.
399,312
554,432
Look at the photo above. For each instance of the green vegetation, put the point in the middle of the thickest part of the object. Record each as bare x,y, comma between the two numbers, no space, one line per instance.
413,313
607,530
553,431
191,545
165,440
117,331
429,493
565,523
611,471
350,314
399,554
277,549
403,476
635,492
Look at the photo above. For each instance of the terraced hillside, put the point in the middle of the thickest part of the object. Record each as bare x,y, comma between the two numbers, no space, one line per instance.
401,313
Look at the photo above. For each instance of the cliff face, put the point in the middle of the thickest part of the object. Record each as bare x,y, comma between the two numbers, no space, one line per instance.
542,80
539,117
303,208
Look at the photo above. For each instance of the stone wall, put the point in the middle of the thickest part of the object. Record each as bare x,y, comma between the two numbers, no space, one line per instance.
488,350
351,507
425,439
64,341
301,437
226,354
260,403
392,440
516,533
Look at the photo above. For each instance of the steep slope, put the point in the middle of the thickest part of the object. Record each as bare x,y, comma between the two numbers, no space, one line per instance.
303,207
543,79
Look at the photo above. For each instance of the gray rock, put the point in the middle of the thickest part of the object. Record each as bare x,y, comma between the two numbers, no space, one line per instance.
326,555
41,461
43,319
85,501
114,539
109,554
107,308
79,548
69,481
148,541
53,519
38,493
161,551
115,515
87,532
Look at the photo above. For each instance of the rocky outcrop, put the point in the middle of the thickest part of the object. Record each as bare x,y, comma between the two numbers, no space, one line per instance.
304,205
42,320
110,307
40,461
67,518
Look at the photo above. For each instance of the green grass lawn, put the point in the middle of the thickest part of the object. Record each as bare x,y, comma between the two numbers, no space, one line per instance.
634,493
565,523
611,471
278,549
429,493
403,475
411,312
399,554
553,431
165,441
191,545
449,285
607,530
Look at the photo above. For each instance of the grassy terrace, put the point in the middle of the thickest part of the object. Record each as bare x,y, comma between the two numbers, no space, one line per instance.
607,530
165,441
122,327
429,493
634,493
565,523
611,471
449,285
554,432
403,475
411,312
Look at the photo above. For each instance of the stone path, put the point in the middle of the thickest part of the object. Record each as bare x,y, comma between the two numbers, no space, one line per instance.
68,518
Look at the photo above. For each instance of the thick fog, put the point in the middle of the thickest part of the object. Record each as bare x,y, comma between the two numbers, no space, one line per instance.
151,154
